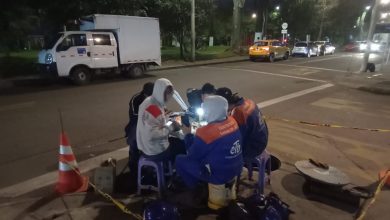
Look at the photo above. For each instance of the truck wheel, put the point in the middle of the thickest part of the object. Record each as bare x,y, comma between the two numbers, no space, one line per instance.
81,75
134,71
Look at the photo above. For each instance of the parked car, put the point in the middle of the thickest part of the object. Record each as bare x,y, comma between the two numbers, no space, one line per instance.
353,46
269,49
325,47
307,49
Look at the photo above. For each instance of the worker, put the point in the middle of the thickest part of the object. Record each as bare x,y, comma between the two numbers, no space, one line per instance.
131,127
153,128
207,89
253,128
214,152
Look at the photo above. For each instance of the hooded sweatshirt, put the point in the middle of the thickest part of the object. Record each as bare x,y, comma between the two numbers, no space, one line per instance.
216,146
152,132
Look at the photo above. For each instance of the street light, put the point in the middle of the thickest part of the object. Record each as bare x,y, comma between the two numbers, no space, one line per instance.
254,15
368,7
278,7
384,15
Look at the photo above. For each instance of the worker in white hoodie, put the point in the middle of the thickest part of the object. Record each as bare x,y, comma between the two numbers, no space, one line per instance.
152,128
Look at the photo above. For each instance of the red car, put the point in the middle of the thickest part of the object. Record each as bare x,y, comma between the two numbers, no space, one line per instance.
354,46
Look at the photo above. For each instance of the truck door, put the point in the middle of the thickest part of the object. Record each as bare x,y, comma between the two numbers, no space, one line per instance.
103,51
73,50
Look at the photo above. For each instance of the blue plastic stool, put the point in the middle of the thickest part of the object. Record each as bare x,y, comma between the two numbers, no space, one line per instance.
159,169
262,161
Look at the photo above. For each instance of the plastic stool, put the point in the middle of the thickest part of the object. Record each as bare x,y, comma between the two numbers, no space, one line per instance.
159,169
262,161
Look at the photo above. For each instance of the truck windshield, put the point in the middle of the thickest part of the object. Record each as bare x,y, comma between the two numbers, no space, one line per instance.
51,40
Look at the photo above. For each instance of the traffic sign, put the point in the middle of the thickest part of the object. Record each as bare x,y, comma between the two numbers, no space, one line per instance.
284,31
284,26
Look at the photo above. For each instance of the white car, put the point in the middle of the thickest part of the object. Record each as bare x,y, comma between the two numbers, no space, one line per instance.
305,49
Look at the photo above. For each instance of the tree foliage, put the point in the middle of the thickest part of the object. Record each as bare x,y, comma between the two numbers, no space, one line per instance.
20,18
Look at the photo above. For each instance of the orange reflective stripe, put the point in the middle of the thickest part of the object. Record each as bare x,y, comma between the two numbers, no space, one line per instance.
212,132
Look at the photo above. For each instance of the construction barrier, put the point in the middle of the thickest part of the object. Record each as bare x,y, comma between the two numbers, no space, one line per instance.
117,203
382,182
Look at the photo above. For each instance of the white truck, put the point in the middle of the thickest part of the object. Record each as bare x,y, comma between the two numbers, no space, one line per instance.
105,43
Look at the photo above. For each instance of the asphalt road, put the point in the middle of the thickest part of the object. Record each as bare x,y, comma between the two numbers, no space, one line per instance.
98,113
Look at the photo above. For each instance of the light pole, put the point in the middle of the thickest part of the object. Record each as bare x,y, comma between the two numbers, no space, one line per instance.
193,30
361,21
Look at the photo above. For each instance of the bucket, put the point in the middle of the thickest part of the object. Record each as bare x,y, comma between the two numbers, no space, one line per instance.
221,195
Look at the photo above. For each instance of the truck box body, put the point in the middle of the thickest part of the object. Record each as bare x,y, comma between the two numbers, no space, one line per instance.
138,37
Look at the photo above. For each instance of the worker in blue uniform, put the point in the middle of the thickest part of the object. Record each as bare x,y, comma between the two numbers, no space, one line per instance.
214,153
253,128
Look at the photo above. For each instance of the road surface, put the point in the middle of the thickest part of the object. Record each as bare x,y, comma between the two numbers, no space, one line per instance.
95,115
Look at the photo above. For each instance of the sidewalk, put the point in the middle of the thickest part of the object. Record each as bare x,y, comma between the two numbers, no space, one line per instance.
289,142
377,82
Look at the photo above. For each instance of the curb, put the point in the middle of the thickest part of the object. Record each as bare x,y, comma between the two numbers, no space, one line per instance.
375,90
9,83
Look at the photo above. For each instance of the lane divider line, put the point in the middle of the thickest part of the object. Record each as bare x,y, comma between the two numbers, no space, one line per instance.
323,59
293,95
268,73
316,68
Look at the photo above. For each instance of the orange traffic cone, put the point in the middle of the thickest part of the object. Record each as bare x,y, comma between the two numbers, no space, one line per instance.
69,180
382,174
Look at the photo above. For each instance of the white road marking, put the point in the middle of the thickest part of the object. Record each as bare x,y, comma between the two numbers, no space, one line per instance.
323,59
268,73
16,106
51,177
90,164
316,68
309,72
293,95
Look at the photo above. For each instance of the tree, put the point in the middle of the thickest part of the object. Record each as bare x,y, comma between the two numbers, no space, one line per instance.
301,16
14,28
238,5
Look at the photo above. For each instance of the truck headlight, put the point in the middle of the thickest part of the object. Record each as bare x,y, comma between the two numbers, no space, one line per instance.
363,46
49,58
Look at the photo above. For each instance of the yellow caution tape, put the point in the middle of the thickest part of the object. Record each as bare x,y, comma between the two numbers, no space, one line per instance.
377,191
117,203
325,125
